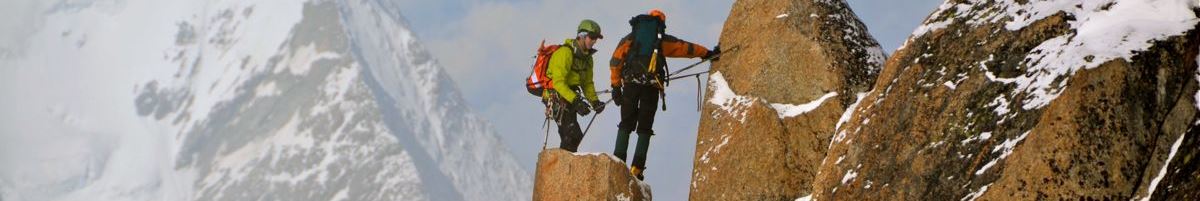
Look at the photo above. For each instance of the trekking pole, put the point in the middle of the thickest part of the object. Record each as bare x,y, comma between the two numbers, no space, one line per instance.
698,102
546,125
589,126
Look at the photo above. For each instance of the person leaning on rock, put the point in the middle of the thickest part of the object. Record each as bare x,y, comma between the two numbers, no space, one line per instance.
638,72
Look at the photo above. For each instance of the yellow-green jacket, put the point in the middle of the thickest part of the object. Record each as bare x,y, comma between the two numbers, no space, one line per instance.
571,68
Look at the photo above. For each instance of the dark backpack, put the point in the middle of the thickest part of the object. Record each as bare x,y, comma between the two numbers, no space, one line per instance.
537,82
646,40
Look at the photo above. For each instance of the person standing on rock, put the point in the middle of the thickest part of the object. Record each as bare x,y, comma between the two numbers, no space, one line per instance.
571,69
639,76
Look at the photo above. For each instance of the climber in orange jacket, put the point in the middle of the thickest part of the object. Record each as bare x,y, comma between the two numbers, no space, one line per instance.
638,75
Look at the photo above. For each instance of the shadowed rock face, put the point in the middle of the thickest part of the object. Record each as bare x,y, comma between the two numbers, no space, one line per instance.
562,175
973,107
772,107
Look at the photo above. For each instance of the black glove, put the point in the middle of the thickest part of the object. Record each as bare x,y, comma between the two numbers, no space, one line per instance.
616,95
582,108
714,54
598,106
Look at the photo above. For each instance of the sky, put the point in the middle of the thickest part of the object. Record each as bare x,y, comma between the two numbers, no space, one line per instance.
488,47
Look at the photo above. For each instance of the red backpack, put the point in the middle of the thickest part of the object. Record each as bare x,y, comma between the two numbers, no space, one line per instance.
537,82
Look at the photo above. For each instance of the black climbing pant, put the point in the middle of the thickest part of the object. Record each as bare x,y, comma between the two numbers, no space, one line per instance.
638,104
569,133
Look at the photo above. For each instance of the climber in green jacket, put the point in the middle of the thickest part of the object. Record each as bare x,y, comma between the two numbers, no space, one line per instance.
571,69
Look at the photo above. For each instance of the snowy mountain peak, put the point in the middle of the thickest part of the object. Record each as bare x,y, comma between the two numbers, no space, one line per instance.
275,100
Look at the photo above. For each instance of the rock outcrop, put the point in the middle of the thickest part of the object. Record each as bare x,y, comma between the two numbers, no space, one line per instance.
773,105
1053,100
562,175
991,100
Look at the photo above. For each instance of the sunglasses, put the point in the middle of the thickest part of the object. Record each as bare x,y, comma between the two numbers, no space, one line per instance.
590,35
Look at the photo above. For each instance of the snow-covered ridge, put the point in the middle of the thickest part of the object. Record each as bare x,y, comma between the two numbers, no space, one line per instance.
233,100
1102,31
461,144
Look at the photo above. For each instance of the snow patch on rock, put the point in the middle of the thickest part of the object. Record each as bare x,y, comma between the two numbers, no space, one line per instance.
850,175
930,25
622,197
980,137
1163,171
850,110
975,194
1006,149
734,105
790,110
1103,31
716,149
729,102
805,198
610,156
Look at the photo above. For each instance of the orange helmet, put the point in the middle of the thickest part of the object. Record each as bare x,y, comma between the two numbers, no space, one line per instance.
659,14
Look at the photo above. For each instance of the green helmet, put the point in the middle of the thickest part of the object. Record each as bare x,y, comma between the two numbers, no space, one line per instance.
591,27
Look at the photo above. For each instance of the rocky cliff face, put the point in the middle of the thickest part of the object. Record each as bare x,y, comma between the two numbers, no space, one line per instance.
1016,101
773,106
993,100
562,175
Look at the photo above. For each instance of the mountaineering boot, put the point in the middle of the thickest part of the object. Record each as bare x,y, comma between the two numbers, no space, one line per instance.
637,172
639,153
622,144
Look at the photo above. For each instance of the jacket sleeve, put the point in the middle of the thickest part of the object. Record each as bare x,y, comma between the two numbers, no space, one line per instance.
559,67
589,86
674,47
618,62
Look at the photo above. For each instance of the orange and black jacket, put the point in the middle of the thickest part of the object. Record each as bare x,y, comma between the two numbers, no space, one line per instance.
671,47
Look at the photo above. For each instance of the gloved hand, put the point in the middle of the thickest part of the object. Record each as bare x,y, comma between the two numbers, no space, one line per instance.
616,95
714,54
598,106
582,108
